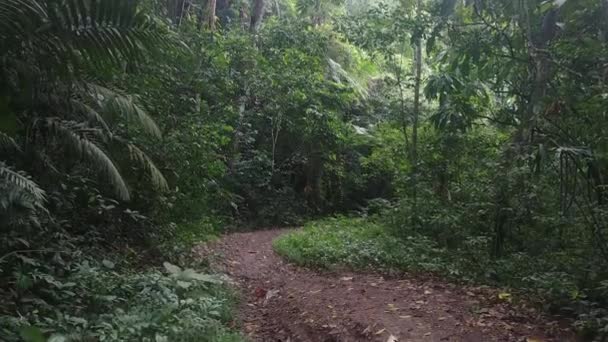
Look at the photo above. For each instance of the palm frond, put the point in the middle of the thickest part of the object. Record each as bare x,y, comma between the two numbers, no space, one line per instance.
156,177
90,114
65,35
21,182
8,144
111,102
339,75
69,133
19,16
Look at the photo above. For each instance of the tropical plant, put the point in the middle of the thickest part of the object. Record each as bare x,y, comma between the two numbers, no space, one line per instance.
59,110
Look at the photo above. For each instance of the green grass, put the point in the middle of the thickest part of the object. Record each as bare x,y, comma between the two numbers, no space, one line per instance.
358,244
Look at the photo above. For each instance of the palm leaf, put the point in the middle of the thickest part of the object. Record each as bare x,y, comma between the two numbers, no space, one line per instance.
339,75
21,182
74,137
8,144
71,34
156,177
112,102
90,114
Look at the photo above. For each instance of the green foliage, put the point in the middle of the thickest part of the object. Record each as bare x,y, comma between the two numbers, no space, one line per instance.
50,51
359,244
97,301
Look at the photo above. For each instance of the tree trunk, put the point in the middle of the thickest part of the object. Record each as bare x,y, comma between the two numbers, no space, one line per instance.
257,15
176,10
210,15
416,115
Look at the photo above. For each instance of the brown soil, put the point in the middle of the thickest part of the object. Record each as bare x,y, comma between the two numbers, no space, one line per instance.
282,302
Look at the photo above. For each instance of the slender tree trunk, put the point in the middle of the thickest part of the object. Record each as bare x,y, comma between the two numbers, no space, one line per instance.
416,115
237,131
403,114
210,15
257,14
275,130
278,8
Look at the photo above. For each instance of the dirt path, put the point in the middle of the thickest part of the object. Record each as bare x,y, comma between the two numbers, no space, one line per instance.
282,302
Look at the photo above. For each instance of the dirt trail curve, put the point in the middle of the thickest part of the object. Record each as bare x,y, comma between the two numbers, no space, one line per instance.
282,302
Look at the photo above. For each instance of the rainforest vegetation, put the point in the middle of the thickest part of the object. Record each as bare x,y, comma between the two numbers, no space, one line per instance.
462,138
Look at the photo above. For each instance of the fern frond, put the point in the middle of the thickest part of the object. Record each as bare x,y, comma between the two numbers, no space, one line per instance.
156,177
8,144
105,30
112,102
19,16
90,114
68,133
61,35
21,182
339,75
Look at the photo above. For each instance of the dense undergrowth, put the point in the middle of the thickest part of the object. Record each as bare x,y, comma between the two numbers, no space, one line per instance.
98,301
557,281
85,288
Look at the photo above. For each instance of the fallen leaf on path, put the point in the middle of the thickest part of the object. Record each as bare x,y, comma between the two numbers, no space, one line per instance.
346,278
504,296
405,316
392,338
270,294
427,334
379,332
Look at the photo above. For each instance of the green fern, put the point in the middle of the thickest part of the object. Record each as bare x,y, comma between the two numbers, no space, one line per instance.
16,180
8,144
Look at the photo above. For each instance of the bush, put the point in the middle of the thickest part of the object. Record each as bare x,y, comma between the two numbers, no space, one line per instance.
98,303
358,244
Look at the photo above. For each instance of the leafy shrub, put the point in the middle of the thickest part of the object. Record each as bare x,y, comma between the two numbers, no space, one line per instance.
99,303
357,243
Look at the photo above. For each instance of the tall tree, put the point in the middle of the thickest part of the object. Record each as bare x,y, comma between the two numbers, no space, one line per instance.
416,114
